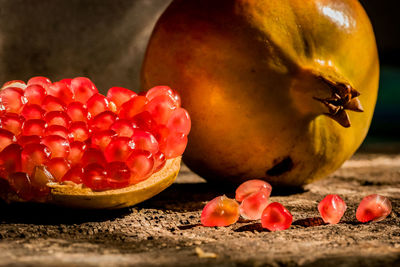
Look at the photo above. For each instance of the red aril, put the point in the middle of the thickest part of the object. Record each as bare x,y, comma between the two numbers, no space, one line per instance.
33,155
141,164
145,141
13,99
179,122
21,184
78,131
101,139
249,187
35,94
32,111
40,80
159,161
78,112
145,122
161,108
221,211
173,145
163,90
61,91
254,204
6,138
39,180
95,177
58,146
58,167
75,174
97,104
373,208
132,107
103,121
57,130
10,160
332,208
51,103
34,127
118,174
12,122
276,217
66,81
29,139
119,149
83,89
14,83
123,128
119,95
93,155
57,118
77,149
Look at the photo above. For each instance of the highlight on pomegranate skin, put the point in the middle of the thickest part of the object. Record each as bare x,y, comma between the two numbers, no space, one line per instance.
75,135
373,208
221,211
332,208
276,217
251,186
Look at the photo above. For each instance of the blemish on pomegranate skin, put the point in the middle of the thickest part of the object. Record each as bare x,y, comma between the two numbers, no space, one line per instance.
280,168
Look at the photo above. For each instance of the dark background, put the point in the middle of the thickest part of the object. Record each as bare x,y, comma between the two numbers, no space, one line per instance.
106,39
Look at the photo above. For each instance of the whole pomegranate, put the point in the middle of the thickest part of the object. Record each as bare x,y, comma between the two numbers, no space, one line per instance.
278,90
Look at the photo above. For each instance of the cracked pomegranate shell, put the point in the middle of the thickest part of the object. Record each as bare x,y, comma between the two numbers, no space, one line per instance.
64,143
282,91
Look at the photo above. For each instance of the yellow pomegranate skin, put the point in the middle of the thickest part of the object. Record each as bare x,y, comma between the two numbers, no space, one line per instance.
272,86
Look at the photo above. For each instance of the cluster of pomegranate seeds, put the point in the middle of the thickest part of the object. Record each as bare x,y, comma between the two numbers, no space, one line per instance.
332,208
80,136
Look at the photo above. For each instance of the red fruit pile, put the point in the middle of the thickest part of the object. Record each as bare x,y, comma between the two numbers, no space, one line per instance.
68,129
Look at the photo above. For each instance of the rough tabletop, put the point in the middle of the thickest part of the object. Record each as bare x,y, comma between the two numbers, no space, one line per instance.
165,230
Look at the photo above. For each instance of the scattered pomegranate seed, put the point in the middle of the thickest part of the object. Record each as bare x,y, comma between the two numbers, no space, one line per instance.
373,208
93,155
78,112
254,204
221,211
132,107
79,131
75,174
58,167
249,187
34,155
6,138
145,141
13,99
57,130
119,95
51,103
58,146
276,217
35,94
83,89
12,122
103,121
21,184
101,139
123,128
34,127
95,177
77,149
118,174
332,208
31,112
141,164
97,104
119,149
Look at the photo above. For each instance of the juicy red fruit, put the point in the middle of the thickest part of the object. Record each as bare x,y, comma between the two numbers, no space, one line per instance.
276,217
332,208
67,132
221,211
249,187
373,208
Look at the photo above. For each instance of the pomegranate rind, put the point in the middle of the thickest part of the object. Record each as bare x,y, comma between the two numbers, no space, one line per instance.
76,196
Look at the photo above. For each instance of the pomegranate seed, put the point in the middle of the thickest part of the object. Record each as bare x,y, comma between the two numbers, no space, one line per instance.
161,108
174,145
39,179
58,167
75,174
13,99
119,95
66,81
77,149
163,90
141,165
118,174
221,211
249,187
93,155
373,208
332,208
12,122
79,131
132,107
35,94
6,138
61,91
102,139
254,204
57,130
14,83
119,149
34,127
10,159
144,121
276,217
29,139
58,146
103,121
97,104
51,103
21,184
95,177
179,121
83,89
57,118
145,141
33,155
123,128
39,80
159,161
32,112
78,112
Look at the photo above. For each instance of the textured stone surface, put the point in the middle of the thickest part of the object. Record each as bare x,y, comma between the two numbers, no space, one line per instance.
165,230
